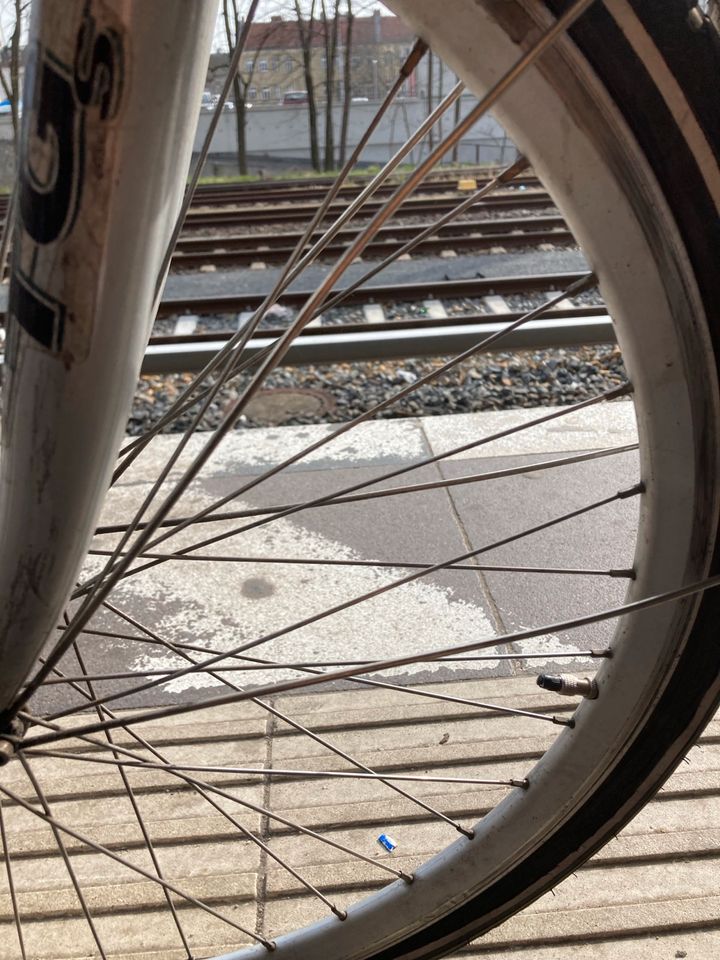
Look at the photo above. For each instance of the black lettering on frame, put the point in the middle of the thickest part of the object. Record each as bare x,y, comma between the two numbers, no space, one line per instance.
52,171
98,68
40,315
49,171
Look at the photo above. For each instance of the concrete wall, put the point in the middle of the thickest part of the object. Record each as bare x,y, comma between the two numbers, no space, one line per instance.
277,137
281,133
7,152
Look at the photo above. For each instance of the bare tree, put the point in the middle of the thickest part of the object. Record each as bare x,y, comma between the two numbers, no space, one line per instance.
14,12
347,82
456,121
330,42
233,19
440,80
431,132
306,32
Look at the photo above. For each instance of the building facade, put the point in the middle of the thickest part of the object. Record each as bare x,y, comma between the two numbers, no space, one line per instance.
272,65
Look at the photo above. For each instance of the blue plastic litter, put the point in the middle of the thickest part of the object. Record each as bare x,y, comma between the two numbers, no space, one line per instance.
385,841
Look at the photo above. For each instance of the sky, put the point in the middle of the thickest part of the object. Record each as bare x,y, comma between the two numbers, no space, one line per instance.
266,9
286,9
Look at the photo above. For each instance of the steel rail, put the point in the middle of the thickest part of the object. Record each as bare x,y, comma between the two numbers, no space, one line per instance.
391,341
396,323
413,206
245,241
266,192
292,191
267,250
379,293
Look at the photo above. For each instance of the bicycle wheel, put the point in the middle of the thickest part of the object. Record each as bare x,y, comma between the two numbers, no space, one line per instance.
618,119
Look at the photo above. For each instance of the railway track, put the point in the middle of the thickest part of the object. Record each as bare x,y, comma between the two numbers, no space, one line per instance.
279,191
501,202
378,293
275,193
438,333
275,248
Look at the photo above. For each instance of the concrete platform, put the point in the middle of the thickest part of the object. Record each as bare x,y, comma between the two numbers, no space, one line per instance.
228,603
651,893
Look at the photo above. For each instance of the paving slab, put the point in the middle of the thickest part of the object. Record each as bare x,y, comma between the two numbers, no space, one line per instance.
655,883
251,451
602,539
592,428
650,891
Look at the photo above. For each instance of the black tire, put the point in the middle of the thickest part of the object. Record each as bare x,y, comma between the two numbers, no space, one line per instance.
689,49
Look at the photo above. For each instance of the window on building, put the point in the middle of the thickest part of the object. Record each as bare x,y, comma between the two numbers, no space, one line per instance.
250,64
263,66
266,92
288,65
252,93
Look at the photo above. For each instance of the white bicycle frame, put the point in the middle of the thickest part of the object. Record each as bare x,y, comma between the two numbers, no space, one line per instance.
112,94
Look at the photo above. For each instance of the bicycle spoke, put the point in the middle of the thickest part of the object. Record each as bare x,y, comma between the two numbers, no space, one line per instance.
574,288
305,314
246,333
279,715
201,789
258,663
515,168
59,827
574,623
208,788
237,342
627,574
385,588
317,664
136,809
190,397
290,773
11,884
442,483
233,67
290,271
56,829
130,556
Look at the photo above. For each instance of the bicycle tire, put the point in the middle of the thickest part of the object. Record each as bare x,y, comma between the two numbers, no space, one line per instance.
686,692
690,53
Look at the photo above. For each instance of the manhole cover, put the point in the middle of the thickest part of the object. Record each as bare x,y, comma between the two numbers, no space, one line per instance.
272,407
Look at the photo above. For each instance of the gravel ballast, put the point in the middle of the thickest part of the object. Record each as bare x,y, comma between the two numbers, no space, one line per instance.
335,393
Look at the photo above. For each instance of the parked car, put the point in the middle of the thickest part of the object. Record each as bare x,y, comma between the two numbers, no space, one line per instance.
294,97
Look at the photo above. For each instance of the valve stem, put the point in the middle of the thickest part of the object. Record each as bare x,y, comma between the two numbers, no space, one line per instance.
568,686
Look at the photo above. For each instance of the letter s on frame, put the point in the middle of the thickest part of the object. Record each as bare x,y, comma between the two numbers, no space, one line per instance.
50,165
98,68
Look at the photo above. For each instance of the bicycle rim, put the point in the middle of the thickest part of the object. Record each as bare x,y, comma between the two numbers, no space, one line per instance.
591,779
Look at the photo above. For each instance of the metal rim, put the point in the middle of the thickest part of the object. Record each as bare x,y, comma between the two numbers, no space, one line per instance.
679,509
646,270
